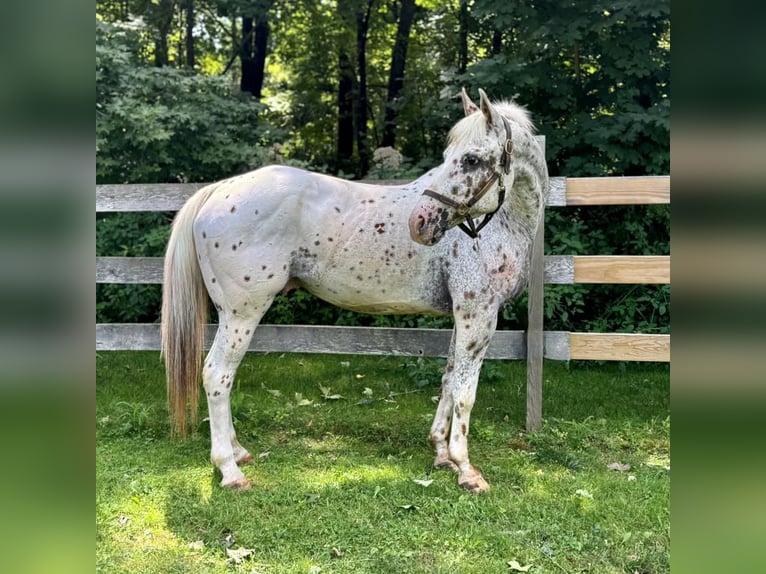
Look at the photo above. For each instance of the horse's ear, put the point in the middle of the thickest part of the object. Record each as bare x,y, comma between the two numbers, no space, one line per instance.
468,104
492,117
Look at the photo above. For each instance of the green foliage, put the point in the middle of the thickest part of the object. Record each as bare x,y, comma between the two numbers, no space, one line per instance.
161,125
130,235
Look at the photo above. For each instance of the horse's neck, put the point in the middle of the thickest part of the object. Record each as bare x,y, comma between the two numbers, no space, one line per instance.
527,198
424,180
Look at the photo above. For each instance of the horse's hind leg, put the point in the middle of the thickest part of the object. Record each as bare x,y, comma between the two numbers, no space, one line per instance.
231,343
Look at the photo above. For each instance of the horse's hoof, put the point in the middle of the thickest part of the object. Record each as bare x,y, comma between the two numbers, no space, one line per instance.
446,464
473,481
238,484
247,458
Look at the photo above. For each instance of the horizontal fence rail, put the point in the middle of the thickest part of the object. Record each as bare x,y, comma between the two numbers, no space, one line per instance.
404,342
559,269
563,191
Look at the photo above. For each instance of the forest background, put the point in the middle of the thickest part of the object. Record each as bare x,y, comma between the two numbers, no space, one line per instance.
199,90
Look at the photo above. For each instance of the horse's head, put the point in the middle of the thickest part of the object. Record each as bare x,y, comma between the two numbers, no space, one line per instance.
473,179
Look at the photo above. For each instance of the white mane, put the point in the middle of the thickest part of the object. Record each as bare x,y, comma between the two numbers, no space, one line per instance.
474,126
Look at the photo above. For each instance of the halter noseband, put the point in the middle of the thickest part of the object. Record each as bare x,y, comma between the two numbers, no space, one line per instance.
462,208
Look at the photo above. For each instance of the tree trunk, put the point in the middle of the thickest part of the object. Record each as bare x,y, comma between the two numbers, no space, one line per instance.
255,38
247,79
396,74
259,55
190,34
345,111
163,17
362,27
497,42
462,54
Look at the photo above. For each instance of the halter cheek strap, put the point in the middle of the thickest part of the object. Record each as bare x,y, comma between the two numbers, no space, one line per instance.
462,208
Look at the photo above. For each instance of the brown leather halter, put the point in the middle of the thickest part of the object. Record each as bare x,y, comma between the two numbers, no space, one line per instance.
463,207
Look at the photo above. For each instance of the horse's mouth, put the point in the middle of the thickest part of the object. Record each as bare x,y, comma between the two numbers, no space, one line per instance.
426,231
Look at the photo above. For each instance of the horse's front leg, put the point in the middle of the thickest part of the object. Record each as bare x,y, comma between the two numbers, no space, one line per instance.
440,428
473,333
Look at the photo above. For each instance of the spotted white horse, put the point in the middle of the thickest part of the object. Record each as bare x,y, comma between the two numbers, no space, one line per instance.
368,248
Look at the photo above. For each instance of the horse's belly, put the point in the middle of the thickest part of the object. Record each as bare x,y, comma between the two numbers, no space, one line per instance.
381,301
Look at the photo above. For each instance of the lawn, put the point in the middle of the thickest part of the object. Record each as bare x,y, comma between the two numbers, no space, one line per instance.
342,480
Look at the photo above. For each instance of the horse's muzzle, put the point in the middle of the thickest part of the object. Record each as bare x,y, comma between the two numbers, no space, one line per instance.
428,225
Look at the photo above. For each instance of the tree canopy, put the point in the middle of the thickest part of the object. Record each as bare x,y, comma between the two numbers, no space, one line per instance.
331,80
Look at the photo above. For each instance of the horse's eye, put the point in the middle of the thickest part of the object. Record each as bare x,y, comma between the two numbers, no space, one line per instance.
470,160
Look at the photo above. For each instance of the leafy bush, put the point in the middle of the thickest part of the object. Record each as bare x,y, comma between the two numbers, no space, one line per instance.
159,125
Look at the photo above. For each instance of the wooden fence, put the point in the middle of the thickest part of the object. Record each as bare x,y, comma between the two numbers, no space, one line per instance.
533,345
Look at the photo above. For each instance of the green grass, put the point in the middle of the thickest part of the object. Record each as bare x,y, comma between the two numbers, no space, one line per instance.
335,493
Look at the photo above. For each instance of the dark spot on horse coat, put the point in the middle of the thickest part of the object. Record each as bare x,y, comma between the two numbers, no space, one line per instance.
204,235
380,227
337,209
463,429
233,247
233,209
212,280
215,245
247,277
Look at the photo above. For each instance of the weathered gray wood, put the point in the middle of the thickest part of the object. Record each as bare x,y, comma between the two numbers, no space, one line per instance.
172,196
557,345
535,335
144,196
559,269
129,269
557,196
319,339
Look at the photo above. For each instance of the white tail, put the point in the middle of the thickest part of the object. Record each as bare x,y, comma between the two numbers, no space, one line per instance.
184,314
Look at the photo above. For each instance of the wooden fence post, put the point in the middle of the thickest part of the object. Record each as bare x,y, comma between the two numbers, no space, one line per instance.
535,325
